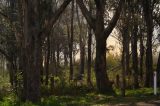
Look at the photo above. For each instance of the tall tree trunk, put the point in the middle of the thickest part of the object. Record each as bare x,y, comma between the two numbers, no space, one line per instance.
125,58
53,64
82,58
71,43
128,71
81,44
158,70
123,87
101,35
134,39
89,50
47,60
32,51
103,83
89,58
149,59
141,56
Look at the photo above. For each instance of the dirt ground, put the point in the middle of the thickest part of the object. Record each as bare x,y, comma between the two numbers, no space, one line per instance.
149,103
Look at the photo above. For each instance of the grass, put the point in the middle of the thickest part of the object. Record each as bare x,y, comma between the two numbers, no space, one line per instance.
85,99
66,95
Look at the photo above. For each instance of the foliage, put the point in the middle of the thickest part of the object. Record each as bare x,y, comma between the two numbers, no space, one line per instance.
85,99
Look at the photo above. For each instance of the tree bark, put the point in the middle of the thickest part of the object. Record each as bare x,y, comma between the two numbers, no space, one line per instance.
125,59
32,51
71,43
89,82
82,45
141,57
134,39
47,60
123,87
53,64
103,83
89,59
158,71
82,58
101,35
149,58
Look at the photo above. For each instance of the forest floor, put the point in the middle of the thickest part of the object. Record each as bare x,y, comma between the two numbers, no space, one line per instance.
80,97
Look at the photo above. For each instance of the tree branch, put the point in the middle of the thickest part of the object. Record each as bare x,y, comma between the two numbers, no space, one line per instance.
47,28
86,13
114,20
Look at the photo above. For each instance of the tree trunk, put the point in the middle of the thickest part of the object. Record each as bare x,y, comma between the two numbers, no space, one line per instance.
158,71
89,82
134,40
11,73
89,59
81,44
103,83
128,71
47,60
32,52
82,58
71,43
101,35
141,57
149,59
53,64
32,71
123,87
125,59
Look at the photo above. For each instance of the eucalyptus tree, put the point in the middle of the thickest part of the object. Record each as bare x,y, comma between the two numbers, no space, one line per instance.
9,48
134,40
148,10
89,82
101,35
34,34
124,27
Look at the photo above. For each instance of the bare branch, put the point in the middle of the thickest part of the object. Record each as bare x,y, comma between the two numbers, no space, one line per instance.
54,18
114,20
86,13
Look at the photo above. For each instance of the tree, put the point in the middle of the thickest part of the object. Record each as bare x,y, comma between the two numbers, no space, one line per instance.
71,42
147,10
101,35
124,28
134,39
33,37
